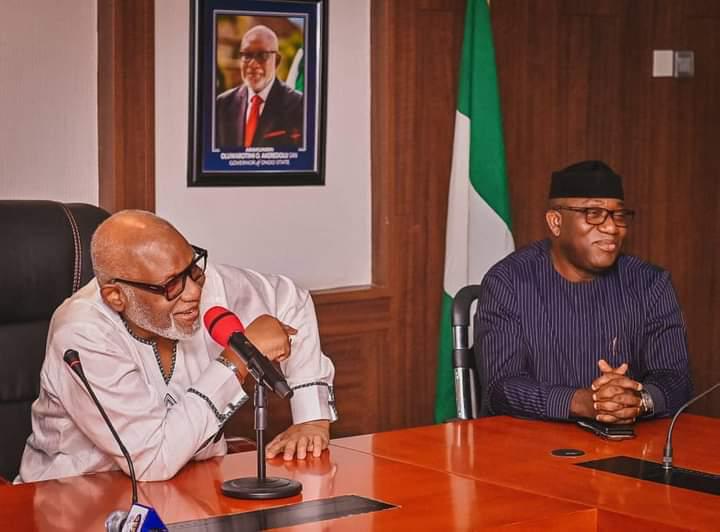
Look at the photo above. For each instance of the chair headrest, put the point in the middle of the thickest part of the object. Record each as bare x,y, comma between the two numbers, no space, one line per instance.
45,248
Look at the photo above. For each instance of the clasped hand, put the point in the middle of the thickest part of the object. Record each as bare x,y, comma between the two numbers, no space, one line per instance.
615,396
271,337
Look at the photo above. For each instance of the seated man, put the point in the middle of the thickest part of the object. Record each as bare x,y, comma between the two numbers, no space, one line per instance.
165,384
569,327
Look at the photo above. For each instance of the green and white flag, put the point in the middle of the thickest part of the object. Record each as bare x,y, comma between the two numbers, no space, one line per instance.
478,225
296,72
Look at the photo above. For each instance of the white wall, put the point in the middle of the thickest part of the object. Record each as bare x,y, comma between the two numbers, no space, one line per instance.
319,236
48,100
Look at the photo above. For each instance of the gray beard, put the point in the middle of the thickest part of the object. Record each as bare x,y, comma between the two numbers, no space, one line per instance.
141,317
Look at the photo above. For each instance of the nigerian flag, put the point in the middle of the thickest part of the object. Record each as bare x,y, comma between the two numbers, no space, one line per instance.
478,225
296,72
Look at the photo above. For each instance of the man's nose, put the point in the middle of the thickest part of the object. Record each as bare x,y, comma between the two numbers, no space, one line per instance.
192,289
609,225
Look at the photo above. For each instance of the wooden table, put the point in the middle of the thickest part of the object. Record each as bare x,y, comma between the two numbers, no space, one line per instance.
427,499
489,474
517,453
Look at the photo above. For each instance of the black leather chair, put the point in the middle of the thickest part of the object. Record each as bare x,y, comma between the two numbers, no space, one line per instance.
467,386
46,257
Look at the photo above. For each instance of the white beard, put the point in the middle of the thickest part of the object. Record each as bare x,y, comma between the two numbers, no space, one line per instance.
141,317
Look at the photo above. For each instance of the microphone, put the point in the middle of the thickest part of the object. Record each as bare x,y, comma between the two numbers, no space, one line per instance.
226,329
667,462
118,520
72,359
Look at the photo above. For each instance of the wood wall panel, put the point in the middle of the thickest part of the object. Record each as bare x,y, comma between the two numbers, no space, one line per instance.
383,338
575,83
582,88
354,326
126,104
413,46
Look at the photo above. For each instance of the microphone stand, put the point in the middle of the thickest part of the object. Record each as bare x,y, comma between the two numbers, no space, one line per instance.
667,461
260,487
140,517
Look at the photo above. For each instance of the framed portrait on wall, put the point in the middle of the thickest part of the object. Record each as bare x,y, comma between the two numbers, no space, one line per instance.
257,92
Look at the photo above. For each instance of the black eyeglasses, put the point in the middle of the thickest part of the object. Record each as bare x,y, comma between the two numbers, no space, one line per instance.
598,215
175,286
259,57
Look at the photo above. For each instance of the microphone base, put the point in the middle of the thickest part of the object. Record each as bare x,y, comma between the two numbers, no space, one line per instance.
678,477
255,488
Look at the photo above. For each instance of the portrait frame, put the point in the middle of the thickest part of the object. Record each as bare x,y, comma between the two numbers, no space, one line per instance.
269,54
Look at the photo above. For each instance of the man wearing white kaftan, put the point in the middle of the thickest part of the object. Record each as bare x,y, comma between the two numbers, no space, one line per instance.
163,423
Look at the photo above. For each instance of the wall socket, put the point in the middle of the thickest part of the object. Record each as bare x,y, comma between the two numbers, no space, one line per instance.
673,64
684,66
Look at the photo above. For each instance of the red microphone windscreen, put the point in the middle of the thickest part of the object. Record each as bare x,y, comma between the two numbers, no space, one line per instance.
221,324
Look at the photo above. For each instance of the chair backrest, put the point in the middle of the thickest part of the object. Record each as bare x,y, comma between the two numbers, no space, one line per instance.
46,257
467,387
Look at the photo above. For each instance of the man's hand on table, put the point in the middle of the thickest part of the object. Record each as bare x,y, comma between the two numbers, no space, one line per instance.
298,440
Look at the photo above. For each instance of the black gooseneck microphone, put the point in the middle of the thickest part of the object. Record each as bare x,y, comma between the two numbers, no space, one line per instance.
117,518
667,462
226,329
259,365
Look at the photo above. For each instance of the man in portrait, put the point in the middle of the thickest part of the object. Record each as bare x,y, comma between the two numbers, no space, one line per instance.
263,111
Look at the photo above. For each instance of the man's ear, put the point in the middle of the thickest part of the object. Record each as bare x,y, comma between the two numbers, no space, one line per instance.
554,221
113,297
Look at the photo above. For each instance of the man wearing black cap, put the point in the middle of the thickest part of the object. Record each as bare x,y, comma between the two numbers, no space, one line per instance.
570,327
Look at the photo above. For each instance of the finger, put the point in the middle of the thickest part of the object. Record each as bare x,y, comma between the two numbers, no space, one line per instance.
287,346
627,383
317,445
607,368
301,448
607,392
289,329
616,380
622,401
281,350
607,407
625,414
274,447
628,399
613,420
603,379
289,449
606,418
622,396
604,366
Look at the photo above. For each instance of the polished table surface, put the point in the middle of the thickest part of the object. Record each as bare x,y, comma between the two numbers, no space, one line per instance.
427,499
489,474
517,453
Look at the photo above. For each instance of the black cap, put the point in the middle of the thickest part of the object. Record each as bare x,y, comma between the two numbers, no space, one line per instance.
586,179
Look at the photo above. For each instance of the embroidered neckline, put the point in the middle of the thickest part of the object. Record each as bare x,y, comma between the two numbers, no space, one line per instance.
156,351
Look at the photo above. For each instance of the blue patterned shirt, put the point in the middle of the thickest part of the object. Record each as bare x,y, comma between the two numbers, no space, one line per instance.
538,337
